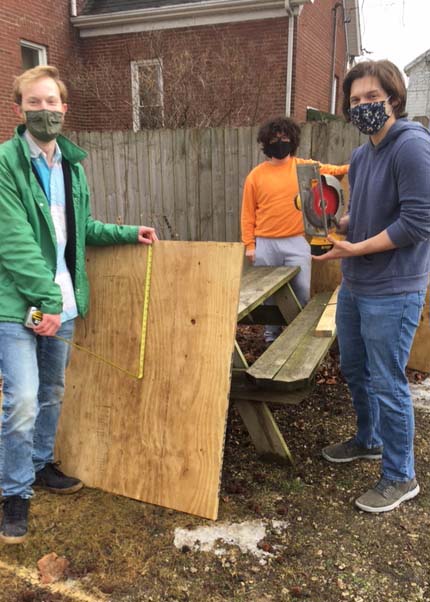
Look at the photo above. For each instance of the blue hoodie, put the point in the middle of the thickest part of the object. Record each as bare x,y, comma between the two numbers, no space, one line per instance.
390,190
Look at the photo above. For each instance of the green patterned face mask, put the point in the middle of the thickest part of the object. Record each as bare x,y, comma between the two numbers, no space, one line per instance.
44,125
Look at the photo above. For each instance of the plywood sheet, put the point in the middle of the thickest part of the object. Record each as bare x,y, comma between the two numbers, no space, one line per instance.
159,440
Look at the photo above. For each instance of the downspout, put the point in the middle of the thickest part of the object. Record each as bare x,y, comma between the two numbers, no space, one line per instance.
290,57
73,8
346,20
333,56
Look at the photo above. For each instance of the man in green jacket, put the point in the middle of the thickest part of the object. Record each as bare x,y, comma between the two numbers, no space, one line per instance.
44,227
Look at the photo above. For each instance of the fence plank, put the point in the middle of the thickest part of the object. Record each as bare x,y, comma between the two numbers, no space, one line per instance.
192,171
232,199
108,153
190,179
98,188
319,141
218,185
257,153
245,144
167,183
142,166
131,199
205,185
305,148
120,171
180,184
155,186
89,163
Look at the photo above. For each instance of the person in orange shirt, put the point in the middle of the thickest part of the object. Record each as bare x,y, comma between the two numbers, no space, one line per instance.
272,227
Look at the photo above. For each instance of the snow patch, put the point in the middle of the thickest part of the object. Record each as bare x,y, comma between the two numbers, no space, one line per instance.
245,535
421,394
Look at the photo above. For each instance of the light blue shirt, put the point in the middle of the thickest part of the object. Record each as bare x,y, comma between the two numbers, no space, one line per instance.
53,185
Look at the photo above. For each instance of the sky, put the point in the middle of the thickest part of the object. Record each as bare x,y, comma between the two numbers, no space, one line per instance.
398,30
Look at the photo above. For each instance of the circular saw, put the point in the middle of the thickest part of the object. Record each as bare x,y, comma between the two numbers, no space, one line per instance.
321,200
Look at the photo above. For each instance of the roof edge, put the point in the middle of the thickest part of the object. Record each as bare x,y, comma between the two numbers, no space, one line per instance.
174,15
418,59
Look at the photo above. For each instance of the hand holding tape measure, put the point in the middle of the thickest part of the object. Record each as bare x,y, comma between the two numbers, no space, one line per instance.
35,316
43,324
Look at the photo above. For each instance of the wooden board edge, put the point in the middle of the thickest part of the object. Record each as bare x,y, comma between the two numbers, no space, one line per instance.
326,326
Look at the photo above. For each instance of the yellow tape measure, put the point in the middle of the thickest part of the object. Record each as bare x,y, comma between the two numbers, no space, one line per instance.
145,311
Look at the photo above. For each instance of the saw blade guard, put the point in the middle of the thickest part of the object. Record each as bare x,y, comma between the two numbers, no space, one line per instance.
321,199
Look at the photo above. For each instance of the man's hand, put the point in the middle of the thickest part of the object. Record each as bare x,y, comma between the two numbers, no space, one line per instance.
250,255
146,235
49,325
341,249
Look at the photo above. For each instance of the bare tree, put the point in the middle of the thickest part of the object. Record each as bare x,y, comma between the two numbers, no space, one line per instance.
202,86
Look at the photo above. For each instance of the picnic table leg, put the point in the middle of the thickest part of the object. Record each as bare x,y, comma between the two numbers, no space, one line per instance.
263,430
287,302
259,421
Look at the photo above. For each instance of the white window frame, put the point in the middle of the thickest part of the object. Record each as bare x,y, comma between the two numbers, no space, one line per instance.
41,50
137,106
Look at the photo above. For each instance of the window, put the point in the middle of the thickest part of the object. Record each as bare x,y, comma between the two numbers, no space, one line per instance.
32,55
147,94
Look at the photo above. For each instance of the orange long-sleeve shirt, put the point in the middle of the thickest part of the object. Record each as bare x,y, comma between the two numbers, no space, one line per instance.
268,208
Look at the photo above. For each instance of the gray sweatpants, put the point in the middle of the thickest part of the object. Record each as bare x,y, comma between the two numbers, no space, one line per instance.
291,251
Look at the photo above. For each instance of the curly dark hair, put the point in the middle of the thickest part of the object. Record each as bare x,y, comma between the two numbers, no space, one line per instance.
280,125
389,77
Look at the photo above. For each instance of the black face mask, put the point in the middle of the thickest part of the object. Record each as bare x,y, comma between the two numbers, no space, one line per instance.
279,149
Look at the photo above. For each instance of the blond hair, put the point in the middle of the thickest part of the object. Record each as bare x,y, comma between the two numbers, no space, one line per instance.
34,74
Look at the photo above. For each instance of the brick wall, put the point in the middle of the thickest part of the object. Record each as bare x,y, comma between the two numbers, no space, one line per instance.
237,71
258,54
234,74
48,26
313,45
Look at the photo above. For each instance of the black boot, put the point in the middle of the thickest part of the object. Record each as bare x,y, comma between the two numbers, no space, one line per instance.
52,479
14,526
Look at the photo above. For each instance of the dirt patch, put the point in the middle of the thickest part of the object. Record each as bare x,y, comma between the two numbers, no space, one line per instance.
316,546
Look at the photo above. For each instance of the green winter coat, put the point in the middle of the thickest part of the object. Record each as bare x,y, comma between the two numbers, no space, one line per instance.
28,248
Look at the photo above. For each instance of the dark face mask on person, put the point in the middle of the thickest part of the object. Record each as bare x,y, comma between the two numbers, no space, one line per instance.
44,125
279,149
369,117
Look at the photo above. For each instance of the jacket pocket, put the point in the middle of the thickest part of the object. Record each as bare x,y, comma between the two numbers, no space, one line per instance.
5,279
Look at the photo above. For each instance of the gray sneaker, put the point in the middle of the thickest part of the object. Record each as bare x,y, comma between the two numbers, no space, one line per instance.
387,495
349,451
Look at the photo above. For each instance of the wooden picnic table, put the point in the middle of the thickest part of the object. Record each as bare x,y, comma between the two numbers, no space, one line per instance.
283,374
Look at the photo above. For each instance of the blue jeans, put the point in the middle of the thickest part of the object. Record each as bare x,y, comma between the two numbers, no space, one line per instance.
375,336
32,369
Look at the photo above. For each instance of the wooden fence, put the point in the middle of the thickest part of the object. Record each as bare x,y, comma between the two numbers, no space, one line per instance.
188,183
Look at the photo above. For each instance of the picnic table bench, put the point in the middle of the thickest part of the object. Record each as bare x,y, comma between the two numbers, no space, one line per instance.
284,373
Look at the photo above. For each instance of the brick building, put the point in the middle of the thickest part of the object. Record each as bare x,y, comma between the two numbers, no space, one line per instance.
31,34
172,63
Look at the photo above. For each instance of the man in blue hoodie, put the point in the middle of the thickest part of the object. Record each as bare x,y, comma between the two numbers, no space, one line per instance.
385,265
